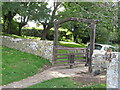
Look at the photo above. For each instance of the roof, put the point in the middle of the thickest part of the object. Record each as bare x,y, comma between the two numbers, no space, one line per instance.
104,45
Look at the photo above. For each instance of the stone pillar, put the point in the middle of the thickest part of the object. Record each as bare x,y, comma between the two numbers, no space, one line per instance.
119,70
113,73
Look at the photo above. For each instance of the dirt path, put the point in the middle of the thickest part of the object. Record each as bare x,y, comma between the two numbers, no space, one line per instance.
53,72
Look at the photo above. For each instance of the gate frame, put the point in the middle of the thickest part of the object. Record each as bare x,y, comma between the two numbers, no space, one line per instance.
92,36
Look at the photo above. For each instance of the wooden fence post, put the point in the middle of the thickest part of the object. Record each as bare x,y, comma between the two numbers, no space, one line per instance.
92,41
87,52
55,44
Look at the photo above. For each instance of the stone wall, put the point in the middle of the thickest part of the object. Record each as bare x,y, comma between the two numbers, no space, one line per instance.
112,68
99,63
37,47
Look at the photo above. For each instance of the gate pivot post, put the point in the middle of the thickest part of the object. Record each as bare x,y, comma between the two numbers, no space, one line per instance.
71,60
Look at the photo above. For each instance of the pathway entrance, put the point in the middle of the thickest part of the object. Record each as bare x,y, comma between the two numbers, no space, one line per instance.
53,72
71,56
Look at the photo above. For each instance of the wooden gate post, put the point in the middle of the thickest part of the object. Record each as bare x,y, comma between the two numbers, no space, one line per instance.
92,41
71,60
55,44
87,57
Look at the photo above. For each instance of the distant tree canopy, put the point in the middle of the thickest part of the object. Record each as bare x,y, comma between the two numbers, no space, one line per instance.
27,11
105,12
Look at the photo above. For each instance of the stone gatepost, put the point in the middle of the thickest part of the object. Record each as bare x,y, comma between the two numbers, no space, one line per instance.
113,73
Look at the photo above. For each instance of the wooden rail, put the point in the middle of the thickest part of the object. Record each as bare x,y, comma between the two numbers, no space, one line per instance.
67,57
70,54
70,48
81,60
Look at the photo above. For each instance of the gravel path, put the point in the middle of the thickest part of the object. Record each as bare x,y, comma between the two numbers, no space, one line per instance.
53,72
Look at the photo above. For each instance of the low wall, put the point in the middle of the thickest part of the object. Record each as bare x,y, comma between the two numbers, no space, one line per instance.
99,63
112,68
37,47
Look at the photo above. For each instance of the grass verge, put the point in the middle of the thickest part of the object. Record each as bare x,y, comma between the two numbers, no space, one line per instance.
17,65
71,44
64,82
97,86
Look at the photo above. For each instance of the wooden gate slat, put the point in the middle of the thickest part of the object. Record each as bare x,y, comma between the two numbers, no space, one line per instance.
62,61
70,53
67,57
70,48
79,56
80,59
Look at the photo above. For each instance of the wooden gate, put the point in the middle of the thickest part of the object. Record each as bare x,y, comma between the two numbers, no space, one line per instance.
75,56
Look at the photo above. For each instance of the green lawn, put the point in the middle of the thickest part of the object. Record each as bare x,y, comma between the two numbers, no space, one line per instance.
71,44
56,83
98,86
17,65
65,82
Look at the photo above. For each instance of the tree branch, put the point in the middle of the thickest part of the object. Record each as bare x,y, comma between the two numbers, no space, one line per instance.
56,4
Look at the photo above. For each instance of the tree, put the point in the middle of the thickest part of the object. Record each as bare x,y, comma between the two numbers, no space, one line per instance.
48,22
31,10
0,14
9,10
25,10
102,11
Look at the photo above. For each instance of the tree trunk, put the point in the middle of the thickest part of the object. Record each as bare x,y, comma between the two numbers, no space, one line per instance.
9,17
9,27
20,27
75,38
45,32
19,32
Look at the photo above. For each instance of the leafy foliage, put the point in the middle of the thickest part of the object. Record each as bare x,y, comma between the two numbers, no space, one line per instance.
103,11
25,12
